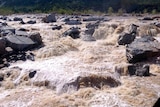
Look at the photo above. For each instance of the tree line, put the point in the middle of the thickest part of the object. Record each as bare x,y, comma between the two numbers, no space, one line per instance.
78,6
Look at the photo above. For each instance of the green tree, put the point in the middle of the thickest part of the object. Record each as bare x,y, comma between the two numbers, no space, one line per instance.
110,10
154,11
120,12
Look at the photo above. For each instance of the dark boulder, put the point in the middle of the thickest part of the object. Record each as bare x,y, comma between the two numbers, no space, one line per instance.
22,29
49,19
36,37
19,43
142,49
22,22
17,19
73,22
147,18
32,73
138,70
2,46
126,38
157,104
31,22
3,24
1,77
73,32
56,27
4,17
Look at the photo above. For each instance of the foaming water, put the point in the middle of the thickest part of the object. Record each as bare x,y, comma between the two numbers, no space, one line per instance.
74,73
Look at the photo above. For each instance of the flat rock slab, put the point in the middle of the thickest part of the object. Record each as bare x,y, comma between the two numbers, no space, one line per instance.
142,49
19,43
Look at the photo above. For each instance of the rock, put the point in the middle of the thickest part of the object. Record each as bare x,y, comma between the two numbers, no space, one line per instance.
88,35
157,104
17,19
138,70
132,69
72,84
4,17
126,38
31,22
1,77
22,29
21,33
2,46
32,74
147,18
99,80
30,56
22,22
56,27
89,31
49,19
9,50
36,37
142,49
93,25
19,43
73,32
3,24
73,22
133,28
5,30
157,24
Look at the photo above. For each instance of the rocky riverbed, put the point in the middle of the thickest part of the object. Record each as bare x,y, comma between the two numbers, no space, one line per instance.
79,60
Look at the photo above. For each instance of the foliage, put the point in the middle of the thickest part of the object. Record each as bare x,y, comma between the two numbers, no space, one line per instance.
74,6
110,10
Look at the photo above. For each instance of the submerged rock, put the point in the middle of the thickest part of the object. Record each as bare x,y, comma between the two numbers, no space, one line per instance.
139,70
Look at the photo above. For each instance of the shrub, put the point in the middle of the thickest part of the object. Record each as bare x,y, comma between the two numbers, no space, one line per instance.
110,10
154,11
120,12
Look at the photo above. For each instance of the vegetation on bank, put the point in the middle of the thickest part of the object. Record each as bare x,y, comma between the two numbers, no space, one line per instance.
80,6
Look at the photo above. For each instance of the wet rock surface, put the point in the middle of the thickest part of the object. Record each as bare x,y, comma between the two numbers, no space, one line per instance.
142,49
75,60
